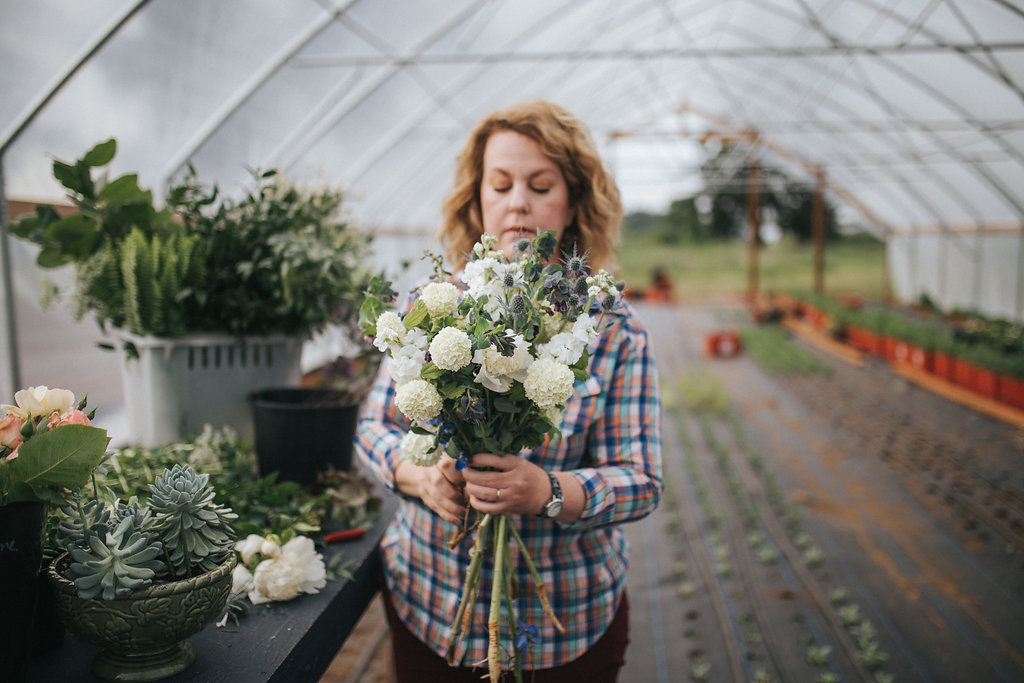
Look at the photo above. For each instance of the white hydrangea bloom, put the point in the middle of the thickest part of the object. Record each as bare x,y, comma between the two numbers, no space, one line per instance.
553,415
497,371
418,449
418,400
548,383
390,330
451,349
440,298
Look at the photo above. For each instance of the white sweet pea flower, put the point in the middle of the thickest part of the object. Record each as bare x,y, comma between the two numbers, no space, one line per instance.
564,347
451,349
406,363
585,329
390,330
440,298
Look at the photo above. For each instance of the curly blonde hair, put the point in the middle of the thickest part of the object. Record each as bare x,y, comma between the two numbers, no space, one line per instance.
566,141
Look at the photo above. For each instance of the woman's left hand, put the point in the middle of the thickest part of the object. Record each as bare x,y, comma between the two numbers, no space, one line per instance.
506,484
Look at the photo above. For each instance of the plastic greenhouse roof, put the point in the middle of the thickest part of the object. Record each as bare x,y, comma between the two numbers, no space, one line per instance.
914,110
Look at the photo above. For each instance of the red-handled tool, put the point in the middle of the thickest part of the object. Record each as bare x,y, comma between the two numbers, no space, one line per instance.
346,535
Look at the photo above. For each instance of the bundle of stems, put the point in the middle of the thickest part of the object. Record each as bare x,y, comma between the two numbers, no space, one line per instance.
497,548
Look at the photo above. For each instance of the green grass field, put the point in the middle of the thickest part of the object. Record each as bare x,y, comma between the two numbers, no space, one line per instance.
716,270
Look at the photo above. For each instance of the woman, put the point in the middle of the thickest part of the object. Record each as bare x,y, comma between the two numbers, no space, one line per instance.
524,169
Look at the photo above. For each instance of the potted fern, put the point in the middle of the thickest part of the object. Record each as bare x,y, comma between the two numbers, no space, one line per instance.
209,297
138,578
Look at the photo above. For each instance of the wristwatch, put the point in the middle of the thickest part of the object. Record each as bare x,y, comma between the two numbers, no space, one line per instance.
553,506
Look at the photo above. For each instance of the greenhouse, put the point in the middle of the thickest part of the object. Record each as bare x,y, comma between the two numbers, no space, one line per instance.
874,500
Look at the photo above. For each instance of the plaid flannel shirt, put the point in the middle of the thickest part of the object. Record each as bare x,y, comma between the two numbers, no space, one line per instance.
611,441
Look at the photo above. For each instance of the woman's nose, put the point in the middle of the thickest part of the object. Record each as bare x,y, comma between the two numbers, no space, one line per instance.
518,199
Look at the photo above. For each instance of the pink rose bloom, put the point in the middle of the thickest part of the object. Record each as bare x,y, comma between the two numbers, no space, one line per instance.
10,432
75,417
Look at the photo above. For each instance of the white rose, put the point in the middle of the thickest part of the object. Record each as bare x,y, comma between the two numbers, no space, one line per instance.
451,349
440,298
40,401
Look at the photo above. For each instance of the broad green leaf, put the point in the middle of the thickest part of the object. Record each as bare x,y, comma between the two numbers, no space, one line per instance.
66,175
101,154
415,316
124,190
77,234
62,457
430,371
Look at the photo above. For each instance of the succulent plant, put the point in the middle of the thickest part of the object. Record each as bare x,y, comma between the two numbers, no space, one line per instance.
114,561
196,532
123,546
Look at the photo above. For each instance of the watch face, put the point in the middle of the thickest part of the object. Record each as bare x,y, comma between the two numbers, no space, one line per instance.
554,507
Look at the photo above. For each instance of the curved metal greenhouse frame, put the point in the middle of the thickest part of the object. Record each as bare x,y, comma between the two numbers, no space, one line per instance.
913,111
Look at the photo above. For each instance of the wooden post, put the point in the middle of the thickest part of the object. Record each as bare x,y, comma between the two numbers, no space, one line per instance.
818,230
753,225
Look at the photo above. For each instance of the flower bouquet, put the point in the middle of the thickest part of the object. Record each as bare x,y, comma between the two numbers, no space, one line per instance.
488,369
47,445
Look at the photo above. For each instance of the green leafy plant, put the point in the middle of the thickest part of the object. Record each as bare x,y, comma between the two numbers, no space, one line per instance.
278,260
118,547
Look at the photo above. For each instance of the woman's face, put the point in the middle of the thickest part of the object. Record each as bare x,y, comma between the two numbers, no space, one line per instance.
522,192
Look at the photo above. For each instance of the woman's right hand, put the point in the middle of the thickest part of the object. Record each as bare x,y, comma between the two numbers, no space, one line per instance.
439,486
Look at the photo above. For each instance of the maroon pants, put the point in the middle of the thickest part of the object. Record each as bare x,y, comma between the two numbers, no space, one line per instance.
416,663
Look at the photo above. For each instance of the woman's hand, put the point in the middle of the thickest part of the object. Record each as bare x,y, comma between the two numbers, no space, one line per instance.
440,487
506,484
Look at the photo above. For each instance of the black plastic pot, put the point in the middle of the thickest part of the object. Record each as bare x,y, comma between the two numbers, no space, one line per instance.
300,432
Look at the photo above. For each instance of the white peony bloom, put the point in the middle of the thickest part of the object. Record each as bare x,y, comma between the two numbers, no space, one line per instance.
564,347
548,383
269,548
451,349
278,578
418,449
250,546
418,400
297,569
440,298
241,579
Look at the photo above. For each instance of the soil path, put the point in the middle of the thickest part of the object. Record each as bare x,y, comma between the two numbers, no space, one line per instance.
847,526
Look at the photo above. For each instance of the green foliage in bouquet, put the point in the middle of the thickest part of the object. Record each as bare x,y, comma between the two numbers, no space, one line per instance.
118,547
